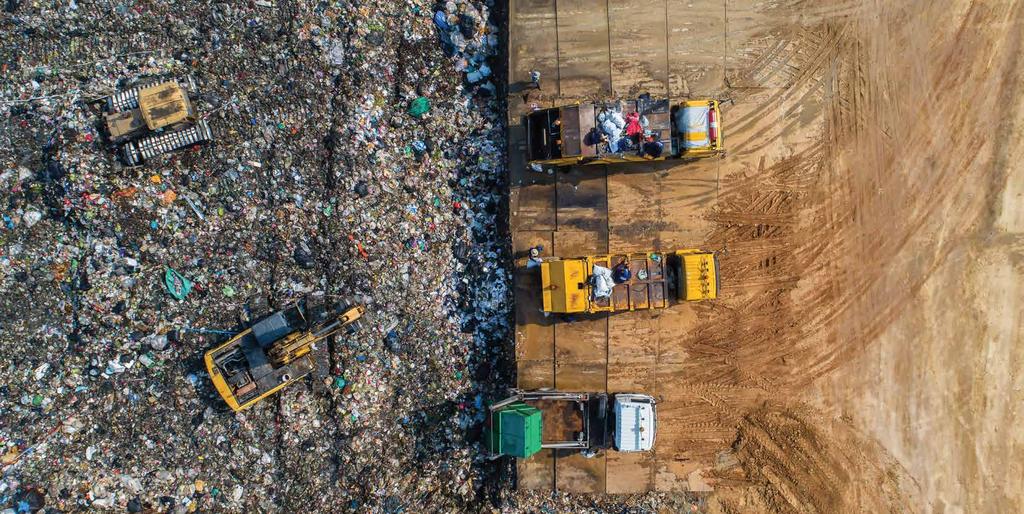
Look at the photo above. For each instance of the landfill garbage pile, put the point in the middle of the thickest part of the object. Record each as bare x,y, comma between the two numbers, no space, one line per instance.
358,155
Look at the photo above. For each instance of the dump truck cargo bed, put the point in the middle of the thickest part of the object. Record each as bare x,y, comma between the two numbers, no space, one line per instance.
567,286
646,288
622,131
528,421
563,420
574,285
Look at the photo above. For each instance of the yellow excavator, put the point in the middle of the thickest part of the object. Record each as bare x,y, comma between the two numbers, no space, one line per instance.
275,351
153,119
628,281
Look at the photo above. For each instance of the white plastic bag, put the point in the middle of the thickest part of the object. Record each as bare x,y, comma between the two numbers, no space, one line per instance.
603,282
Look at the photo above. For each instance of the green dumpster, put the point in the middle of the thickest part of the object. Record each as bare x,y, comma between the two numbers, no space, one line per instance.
516,431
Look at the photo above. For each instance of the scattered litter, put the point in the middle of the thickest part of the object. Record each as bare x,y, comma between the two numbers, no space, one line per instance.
419,107
359,152
176,284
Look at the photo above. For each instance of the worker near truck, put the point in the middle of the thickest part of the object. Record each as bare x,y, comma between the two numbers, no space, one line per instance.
535,259
652,148
622,273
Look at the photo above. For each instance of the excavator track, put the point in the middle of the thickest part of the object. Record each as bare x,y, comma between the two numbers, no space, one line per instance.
137,152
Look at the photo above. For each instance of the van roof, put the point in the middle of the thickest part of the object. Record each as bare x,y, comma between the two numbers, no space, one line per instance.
634,423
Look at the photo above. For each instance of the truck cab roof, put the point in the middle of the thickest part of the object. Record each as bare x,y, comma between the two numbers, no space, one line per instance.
635,422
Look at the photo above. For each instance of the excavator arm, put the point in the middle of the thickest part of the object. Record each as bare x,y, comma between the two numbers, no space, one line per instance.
297,344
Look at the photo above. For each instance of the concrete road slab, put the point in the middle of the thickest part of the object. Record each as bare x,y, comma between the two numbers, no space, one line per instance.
581,377
583,340
633,339
696,47
634,209
582,200
537,472
584,68
629,473
578,244
575,473
535,333
638,45
533,40
687,194
535,374
675,323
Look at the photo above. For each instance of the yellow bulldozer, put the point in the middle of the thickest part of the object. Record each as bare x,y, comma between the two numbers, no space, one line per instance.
628,281
150,120
275,351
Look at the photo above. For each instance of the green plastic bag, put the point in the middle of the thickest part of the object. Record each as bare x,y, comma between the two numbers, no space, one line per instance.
419,106
176,284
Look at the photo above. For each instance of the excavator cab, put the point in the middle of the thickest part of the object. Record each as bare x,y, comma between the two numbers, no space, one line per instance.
274,352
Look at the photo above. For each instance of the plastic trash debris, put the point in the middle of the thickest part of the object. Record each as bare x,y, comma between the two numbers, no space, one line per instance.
602,281
31,218
177,285
419,106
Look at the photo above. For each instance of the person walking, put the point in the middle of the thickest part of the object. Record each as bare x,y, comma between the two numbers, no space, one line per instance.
535,258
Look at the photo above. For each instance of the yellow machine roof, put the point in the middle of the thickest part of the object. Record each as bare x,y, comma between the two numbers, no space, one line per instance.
701,276
163,104
704,102
564,283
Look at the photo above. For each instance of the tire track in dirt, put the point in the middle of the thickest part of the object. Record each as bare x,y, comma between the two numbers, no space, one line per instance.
930,191
826,47
813,223
818,253
805,464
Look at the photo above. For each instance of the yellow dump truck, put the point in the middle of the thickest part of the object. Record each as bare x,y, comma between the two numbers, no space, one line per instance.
628,281
153,119
274,352
623,131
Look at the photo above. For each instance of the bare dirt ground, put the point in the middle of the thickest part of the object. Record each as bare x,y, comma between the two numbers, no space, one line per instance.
864,354
873,268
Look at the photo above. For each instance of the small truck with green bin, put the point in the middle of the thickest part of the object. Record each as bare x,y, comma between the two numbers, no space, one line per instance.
529,421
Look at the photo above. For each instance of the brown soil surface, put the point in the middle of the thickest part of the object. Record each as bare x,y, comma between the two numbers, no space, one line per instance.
797,462
873,270
865,353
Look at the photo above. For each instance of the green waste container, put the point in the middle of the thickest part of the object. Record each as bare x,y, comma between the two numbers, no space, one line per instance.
516,431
